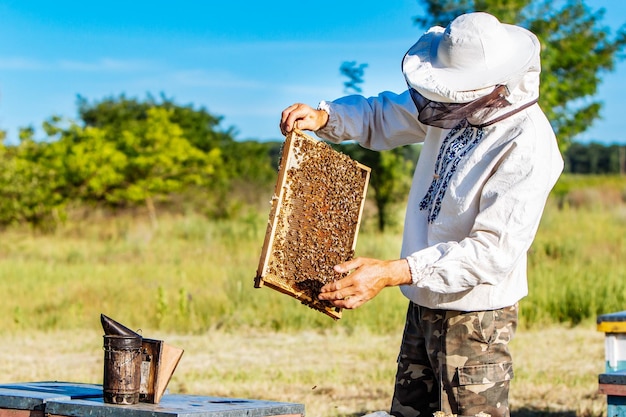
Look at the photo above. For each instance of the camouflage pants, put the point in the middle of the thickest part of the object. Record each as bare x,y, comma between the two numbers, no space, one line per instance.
455,362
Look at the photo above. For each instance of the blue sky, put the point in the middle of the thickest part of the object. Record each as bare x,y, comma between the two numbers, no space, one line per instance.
242,60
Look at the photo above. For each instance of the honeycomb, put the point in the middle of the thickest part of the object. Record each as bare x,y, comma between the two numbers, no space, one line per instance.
314,220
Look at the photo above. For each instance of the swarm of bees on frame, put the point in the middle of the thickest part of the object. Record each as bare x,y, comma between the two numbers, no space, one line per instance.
315,228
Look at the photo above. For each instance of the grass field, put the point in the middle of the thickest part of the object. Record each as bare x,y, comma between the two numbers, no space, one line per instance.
191,282
333,373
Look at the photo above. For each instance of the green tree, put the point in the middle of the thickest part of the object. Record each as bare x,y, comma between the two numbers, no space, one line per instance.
87,163
576,50
161,160
390,178
391,169
120,115
594,158
28,186
199,127
253,161
125,152
130,161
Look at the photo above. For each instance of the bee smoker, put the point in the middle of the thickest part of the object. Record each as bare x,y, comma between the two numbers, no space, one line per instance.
122,369
136,369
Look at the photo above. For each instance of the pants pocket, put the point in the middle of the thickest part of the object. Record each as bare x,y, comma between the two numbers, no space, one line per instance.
484,388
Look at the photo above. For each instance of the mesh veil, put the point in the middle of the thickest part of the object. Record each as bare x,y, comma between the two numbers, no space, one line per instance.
448,115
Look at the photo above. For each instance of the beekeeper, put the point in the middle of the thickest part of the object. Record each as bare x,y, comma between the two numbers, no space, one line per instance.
488,162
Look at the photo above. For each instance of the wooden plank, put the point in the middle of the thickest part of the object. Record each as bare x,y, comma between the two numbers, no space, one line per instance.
61,399
290,415
277,199
33,396
170,356
612,322
612,326
612,389
20,413
58,415
177,406
314,220
613,378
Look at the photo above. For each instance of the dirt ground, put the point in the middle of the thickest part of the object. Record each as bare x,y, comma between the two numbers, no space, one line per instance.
332,374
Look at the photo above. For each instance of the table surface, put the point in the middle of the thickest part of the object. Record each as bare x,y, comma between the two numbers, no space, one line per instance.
33,395
76,399
177,405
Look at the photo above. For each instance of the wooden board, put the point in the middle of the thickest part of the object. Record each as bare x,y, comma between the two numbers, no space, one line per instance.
20,413
174,405
29,399
610,389
314,220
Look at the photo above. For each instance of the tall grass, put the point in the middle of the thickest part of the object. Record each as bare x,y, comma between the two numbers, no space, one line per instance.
192,275
576,264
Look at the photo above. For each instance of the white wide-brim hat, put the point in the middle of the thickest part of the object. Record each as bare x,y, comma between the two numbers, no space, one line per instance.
468,58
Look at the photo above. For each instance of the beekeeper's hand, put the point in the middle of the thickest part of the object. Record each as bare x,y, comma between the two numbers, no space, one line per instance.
303,117
367,277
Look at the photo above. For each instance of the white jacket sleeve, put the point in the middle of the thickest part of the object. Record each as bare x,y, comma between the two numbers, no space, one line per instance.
383,122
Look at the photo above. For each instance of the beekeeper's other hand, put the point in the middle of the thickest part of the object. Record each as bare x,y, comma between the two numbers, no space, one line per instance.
303,117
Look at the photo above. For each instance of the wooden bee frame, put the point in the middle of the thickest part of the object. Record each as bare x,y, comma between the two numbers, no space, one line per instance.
314,220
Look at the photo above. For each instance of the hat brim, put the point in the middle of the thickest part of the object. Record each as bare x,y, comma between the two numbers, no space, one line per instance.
451,85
